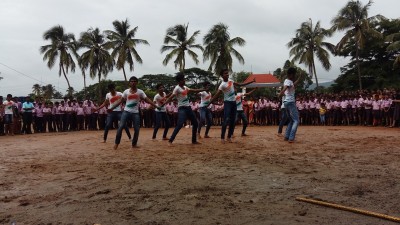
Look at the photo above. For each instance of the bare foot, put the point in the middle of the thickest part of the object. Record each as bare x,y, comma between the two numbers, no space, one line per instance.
170,144
229,140
135,146
223,141
104,141
196,143
198,136
206,136
244,135
165,139
115,147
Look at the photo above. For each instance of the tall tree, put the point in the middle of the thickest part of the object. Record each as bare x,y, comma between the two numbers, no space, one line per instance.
394,40
353,19
48,91
123,43
96,58
62,47
308,44
36,89
177,36
219,47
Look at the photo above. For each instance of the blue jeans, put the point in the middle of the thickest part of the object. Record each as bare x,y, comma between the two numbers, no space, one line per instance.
205,118
322,118
161,116
229,116
283,120
185,112
240,114
111,117
135,117
293,115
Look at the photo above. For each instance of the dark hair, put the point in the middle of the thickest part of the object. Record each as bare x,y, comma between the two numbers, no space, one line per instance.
223,71
111,86
9,95
179,77
291,71
206,83
158,86
133,78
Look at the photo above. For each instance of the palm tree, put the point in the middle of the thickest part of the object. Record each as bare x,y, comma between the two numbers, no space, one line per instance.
394,40
83,68
177,35
61,47
48,91
96,58
353,18
124,44
36,89
219,47
308,44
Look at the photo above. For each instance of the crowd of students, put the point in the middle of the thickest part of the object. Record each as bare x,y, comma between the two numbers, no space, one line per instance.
364,108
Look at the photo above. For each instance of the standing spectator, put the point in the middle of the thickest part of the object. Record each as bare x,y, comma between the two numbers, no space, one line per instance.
27,116
8,117
39,117
47,121
396,111
1,117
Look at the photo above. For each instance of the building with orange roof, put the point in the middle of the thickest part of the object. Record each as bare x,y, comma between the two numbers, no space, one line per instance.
262,80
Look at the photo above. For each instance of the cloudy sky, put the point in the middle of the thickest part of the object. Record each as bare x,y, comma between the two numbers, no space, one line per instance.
266,25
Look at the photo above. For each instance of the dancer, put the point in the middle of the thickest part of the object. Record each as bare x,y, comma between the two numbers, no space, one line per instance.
184,109
290,105
205,112
112,98
227,87
161,114
240,112
132,96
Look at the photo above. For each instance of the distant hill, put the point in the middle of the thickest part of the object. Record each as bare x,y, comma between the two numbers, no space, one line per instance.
325,84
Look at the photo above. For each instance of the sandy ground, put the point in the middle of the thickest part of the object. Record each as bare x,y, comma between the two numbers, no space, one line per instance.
73,178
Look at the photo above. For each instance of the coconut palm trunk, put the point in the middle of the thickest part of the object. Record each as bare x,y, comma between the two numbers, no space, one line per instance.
123,70
358,66
65,75
98,86
84,82
315,75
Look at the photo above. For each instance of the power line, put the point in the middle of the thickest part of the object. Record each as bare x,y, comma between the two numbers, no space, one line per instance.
25,75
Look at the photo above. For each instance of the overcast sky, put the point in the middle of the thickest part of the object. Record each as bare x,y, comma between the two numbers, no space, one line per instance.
266,25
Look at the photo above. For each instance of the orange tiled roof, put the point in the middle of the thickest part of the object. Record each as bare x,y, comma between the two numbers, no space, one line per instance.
262,78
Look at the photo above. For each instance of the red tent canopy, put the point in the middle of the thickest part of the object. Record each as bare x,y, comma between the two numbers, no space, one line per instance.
262,80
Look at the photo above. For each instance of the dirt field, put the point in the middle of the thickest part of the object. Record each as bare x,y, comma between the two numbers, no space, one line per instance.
73,178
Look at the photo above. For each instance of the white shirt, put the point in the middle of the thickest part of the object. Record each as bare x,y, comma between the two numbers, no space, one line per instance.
133,100
289,92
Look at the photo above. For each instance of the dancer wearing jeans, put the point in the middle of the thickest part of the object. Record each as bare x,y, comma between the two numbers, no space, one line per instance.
228,88
113,114
184,109
290,105
132,96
